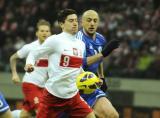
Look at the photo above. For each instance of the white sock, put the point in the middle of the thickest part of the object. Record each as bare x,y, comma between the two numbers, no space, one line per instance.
16,113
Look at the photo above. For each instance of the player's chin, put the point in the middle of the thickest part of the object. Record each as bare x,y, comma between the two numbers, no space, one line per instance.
91,31
74,31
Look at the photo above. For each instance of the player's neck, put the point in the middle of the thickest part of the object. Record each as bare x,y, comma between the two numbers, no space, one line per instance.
40,41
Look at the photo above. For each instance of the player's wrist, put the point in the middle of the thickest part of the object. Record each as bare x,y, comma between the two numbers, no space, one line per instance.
84,61
105,53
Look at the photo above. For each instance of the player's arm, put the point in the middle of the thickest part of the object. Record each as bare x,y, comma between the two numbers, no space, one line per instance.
13,63
100,72
22,53
45,49
108,48
92,59
33,56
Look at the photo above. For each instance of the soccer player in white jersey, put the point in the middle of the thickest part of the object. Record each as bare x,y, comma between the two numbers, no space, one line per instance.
33,83
65,60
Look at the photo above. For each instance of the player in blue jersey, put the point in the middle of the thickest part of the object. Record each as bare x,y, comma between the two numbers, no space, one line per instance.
95,43
4,108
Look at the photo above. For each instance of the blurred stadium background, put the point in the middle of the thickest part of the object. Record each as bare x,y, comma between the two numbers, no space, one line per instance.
133,73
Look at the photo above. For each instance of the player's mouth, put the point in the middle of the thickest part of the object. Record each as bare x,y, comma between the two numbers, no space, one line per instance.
91,29
74,28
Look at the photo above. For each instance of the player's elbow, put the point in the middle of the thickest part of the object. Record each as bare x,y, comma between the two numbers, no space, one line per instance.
13,57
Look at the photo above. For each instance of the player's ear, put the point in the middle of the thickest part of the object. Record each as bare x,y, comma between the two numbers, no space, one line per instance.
61,24
37,34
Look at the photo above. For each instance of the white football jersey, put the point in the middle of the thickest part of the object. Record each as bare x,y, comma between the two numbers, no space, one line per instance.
40,74
65,60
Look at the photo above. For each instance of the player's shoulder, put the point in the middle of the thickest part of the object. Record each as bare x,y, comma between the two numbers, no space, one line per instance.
80,35
60,35
51,38
34,42
100,36
79,40
28,45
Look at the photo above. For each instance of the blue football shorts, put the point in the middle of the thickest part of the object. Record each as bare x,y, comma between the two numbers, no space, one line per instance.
93,97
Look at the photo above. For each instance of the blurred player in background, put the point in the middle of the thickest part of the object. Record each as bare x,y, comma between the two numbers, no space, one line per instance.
4,108
94,43
33,83
65,60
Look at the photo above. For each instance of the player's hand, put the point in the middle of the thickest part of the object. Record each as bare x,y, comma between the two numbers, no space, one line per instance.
29,68
16,79
104,86
99,84
109,47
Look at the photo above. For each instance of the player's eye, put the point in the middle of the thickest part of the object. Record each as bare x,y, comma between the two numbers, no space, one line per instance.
95,20
89,20
70,20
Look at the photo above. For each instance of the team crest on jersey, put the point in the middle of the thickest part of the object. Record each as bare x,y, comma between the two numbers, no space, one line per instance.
75,51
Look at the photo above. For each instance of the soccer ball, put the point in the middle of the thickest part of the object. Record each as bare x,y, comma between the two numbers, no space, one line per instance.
88,82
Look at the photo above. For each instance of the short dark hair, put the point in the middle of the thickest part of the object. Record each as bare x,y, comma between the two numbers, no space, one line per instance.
62,15
43,22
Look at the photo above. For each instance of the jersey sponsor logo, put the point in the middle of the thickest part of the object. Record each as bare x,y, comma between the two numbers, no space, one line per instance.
42,63
70,61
